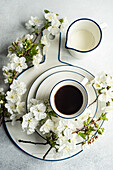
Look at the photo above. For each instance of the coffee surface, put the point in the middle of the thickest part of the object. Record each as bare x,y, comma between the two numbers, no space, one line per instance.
68,99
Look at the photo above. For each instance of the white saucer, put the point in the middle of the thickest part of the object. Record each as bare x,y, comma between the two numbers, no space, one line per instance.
42,76
44,89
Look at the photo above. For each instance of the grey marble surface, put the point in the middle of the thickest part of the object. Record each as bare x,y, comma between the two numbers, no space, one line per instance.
13,15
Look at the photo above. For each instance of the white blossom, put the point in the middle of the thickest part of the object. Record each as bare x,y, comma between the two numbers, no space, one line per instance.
14,104
20,64
104,96
20,107
44,40
16,63
22,39
2,91
52,17
11,57
19,87
33,102
33,22
46,44
37,59
109,80
12,96
13,118
10,66
39,111
100,81
66,123
54,30
47,126
11,107
28,37
55,23
29,123
67,142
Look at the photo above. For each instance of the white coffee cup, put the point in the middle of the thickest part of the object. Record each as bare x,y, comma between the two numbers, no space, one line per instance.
83,36
62,95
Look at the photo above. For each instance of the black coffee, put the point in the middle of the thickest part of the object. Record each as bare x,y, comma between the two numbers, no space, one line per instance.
68,99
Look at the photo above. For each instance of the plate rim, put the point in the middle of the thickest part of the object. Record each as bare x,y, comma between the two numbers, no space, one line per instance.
63,64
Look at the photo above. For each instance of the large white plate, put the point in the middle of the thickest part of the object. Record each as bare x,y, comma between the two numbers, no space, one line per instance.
48,67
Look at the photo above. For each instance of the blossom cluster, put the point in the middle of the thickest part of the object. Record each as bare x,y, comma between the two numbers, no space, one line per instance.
68,130
14,105
63,128
53,23
103,84
56,24
29,49
36,113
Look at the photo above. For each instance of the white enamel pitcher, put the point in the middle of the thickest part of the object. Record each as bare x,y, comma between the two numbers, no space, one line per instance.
83,36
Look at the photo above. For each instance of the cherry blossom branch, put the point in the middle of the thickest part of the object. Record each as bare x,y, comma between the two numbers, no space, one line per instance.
38,143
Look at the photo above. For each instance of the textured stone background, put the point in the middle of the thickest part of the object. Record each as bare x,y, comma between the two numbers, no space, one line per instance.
13,15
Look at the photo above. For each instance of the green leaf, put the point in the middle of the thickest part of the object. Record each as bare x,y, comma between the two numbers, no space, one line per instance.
99,91
1,111
108,103
108,87
11,49
42,121
84,142
52,138
82,135
103,116
46,11
47,24
99,132
19,53
33,51
50,114
36,31
88,120
102,129
96,125
61,20
85,123
90,129
69,140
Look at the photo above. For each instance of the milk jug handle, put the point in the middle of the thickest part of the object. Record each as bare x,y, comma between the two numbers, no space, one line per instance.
103,25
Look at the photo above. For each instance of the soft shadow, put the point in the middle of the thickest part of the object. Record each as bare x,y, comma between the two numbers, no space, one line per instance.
4,49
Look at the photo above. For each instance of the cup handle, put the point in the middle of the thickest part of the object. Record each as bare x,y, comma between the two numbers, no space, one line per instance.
103,25
84,81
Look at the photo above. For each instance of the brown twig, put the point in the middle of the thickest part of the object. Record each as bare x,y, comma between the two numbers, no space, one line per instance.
39,34
47,152
82,129
20,119
93,102
14,77
35,143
